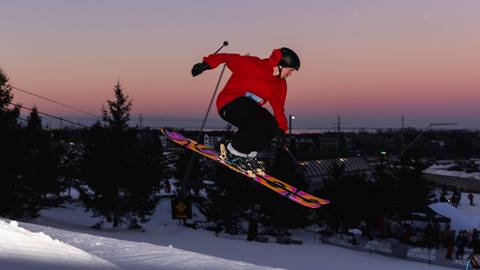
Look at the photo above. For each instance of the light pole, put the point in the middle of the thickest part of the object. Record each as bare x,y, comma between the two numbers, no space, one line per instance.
421,133
290,118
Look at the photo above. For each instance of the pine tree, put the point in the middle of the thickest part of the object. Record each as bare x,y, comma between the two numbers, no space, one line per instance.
34,122
411,189
25,162
346,189
146,176
118,113
71,149
99,188
284,214
400,190
14,200
226,201
41,163
122,167
8,113
185,186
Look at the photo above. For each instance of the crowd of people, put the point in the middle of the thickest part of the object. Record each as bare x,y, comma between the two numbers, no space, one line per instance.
459,241
456,197
436,236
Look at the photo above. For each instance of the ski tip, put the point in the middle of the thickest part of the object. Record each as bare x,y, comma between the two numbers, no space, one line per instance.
318,204
311,205
165,130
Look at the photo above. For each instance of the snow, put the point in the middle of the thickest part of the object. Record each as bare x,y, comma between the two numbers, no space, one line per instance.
465,217
459,221
441,169
461,174
167,245
22,249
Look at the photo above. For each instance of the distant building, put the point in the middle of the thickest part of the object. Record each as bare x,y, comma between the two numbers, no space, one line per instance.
302,144
163,139
208,140
316,171
439,143
212,141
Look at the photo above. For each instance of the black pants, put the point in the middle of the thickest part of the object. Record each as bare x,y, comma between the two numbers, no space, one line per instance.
256,125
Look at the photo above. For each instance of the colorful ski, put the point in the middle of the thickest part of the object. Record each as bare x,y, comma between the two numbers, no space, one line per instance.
282,188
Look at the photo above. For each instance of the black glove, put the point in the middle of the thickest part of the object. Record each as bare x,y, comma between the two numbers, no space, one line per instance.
199,68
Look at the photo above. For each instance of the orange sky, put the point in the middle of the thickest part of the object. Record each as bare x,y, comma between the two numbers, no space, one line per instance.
360,59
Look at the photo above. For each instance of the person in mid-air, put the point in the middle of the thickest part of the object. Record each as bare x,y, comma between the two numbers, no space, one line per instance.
253,83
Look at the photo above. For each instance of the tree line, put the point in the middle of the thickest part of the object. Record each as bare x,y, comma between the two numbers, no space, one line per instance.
117,170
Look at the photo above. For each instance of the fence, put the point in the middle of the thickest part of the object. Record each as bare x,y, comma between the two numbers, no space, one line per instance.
393,248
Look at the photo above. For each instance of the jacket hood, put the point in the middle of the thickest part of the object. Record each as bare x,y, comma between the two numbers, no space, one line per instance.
275,57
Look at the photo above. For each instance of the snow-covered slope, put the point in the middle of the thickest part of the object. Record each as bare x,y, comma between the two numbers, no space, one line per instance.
22,249
138,254
166,245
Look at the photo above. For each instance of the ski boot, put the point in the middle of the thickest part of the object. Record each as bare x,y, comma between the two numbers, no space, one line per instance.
247,163
256,165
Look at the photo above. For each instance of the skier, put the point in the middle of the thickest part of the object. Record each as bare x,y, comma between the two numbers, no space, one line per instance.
253,83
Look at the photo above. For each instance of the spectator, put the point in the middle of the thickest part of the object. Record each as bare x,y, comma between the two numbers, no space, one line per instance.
449,244
455,199
168,186
219,226
445,233
407,233
461,243
476,241
436,234
470,198
443,195
364,228
428,235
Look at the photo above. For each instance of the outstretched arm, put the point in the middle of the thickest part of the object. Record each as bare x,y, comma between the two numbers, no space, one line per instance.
213,60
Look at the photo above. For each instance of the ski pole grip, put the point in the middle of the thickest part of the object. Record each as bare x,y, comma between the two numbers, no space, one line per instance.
225,43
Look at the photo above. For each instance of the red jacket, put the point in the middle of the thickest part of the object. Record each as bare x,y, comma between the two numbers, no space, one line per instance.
252,74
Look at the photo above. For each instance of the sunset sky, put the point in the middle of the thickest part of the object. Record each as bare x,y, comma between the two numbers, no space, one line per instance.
368,61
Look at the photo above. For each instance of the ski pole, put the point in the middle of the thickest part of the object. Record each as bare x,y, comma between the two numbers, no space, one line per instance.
188,170
291,156
225,43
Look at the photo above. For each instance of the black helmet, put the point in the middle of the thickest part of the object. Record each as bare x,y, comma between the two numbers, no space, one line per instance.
289,59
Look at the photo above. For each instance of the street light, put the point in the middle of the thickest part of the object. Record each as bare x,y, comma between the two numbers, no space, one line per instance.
421,133
384,155
291,117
